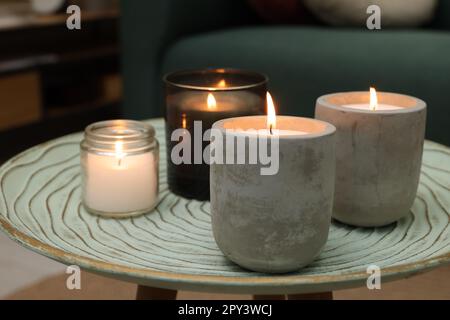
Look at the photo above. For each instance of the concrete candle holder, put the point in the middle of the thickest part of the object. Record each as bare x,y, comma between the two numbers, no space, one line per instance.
378,155
274,223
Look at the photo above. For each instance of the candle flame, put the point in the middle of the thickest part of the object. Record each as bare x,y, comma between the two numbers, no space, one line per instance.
271,115
212,104
221,84
183,121
119,151
373,99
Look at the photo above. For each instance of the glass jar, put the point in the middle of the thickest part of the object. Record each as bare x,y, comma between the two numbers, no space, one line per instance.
194,101
119,162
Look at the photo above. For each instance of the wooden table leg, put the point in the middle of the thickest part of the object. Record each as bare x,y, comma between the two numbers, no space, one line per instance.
311,296
269,297
149,293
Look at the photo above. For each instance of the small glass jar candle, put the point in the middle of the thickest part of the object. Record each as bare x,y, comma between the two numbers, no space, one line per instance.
119,161
194,101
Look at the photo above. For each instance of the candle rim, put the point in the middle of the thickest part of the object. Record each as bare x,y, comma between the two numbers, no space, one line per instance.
142,139
419,103
329,129
139,129
264,79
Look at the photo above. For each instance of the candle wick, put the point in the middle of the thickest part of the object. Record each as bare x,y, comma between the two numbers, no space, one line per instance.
270,129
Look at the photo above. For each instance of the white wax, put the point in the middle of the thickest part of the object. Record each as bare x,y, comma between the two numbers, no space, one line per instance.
114,187
366,106
275,132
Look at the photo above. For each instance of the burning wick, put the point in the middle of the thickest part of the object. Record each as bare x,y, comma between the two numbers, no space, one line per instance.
373,99
211,101
119,152
271,116
183,121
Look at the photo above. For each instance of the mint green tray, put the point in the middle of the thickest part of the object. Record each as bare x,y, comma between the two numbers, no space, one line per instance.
173,247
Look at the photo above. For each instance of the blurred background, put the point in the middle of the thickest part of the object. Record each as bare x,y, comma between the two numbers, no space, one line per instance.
54,81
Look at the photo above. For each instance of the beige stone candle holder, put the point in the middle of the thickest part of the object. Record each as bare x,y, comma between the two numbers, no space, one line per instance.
378,156
275,223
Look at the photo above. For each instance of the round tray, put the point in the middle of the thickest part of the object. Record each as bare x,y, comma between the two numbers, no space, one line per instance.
173,246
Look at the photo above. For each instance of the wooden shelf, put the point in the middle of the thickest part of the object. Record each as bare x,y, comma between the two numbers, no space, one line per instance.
56,112
76,74
23,63
15,22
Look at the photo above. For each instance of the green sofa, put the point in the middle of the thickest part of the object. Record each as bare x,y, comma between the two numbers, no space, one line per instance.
302,62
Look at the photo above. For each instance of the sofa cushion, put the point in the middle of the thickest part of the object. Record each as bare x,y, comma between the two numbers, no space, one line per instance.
282,11
394,13
306,62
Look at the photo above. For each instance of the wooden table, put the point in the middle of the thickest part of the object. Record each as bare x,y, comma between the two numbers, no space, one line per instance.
172,248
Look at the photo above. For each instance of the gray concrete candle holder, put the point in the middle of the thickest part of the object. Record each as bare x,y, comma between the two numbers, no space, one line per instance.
275,223
378,155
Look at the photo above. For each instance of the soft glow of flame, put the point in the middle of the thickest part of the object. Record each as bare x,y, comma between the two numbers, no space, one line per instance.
212,104
373,99
271,116
183,121
221,84
119,151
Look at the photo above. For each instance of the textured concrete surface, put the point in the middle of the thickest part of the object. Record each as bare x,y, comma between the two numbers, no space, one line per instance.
378,157
275,223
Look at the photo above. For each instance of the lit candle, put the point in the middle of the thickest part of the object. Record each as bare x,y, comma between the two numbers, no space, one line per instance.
373,105
272,215
120,168
378,154
205,96
271,128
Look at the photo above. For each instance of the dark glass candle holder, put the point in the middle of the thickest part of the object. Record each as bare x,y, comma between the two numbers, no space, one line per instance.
202,97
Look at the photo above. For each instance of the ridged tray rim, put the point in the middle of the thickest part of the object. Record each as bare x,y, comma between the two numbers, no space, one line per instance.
215,283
